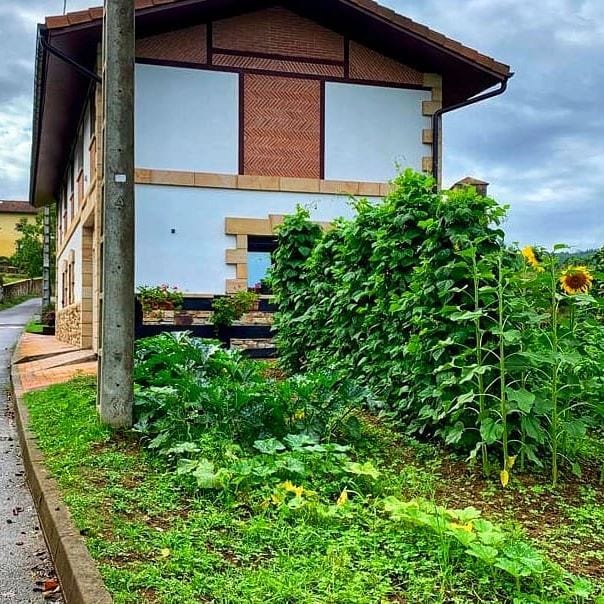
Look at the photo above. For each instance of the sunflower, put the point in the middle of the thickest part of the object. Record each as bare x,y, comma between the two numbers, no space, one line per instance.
529,255
576,280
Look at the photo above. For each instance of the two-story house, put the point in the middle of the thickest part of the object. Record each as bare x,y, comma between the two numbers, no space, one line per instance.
244,109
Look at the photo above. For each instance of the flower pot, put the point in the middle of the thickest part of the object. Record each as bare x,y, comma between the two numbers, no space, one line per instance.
183,318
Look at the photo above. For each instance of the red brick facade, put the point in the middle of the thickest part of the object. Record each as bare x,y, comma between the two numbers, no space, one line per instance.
281,116
282,126
278,31
184,45
284,66
366,64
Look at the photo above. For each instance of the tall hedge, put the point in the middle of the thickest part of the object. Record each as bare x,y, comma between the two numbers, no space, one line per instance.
371,294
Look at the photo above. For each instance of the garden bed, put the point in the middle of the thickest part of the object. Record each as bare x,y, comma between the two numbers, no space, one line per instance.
302,482
158,537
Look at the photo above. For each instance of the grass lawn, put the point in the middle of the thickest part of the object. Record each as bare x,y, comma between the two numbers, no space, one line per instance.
34,327
157,538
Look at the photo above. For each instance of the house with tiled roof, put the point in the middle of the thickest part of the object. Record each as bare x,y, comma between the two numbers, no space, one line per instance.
244,109
11,213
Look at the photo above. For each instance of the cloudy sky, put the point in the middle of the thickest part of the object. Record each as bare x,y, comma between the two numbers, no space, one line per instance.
541,145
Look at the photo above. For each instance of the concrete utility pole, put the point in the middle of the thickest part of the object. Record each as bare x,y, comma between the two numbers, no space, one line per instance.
117,303
46,259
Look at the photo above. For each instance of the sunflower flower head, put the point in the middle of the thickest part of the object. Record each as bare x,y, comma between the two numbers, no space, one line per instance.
576,280
531,259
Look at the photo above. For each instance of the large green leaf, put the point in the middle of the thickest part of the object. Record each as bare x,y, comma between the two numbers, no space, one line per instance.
491,430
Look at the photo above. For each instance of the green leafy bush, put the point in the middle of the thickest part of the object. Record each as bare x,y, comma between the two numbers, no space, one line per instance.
229,309
186,386
419,298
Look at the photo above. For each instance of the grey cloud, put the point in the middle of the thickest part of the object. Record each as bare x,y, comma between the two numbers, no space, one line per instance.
18,21
539,145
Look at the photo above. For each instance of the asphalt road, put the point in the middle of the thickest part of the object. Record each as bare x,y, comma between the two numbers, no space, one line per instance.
24,560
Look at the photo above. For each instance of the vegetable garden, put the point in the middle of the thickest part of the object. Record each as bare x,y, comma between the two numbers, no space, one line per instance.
432,433
497,352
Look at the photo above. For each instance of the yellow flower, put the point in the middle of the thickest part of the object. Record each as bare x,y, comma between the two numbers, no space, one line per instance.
529,255
299,415
576,280
343,498
504,476
290,487
510,462
468,527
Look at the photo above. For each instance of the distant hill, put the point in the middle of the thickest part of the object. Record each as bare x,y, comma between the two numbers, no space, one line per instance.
582,255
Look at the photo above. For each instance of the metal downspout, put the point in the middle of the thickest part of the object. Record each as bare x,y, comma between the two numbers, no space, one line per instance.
437,121
63,57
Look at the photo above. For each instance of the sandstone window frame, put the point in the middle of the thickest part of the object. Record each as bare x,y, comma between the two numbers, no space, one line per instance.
68,280
243,229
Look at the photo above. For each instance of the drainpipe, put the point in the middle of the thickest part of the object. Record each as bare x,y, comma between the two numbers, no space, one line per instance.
63,57
46,260
437,123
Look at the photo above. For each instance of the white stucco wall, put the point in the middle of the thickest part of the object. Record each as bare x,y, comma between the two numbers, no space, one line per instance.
75,244
193,257
186,119
370,129
86,150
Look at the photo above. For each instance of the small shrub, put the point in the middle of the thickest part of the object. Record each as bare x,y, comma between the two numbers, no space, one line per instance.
229,309
47,317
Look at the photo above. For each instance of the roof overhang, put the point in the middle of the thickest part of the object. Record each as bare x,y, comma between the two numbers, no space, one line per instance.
61,90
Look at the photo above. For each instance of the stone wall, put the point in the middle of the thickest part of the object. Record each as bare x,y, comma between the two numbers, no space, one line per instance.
201,317
252,344
26,287
68,325
185,318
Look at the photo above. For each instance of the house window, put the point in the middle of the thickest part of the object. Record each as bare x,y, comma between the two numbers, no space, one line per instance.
72,191
68,280
259,260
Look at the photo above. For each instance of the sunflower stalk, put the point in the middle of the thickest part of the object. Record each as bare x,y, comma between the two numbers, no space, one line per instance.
555,419
502,369
479,358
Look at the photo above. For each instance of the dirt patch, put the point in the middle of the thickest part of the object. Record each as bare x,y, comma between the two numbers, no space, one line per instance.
544,514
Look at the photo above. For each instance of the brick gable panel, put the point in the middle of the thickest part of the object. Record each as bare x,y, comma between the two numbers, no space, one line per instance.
366,64
187,45
282,126
278,31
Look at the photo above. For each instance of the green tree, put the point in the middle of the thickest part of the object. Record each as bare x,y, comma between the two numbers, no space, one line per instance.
29,247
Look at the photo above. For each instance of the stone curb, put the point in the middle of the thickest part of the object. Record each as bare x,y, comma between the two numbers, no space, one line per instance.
78,574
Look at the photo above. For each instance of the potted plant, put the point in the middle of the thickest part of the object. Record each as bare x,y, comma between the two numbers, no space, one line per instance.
160,297
229,309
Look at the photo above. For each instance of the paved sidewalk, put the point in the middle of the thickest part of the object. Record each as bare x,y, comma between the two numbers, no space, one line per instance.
42,361
24,561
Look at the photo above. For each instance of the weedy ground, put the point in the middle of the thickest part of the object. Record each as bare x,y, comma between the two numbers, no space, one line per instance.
156,539
34,327
13,302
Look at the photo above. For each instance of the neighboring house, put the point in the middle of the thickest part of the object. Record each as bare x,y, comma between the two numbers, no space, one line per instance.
11,213
480,185
243,110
